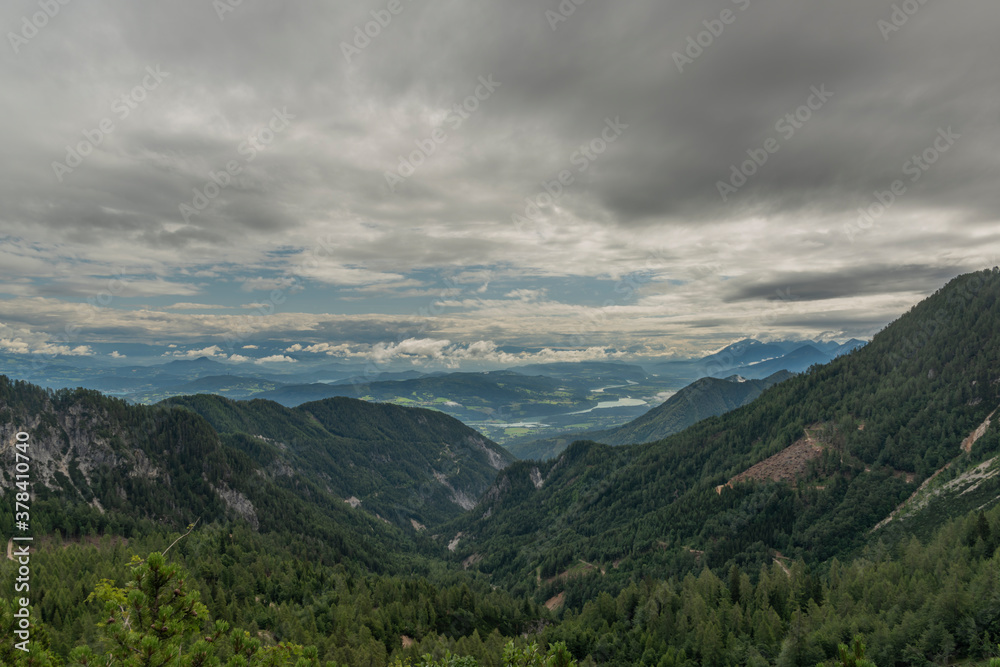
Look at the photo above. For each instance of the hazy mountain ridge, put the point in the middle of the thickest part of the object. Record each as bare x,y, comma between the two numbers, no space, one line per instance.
910,407
402,463
798,360
762,359
902,404
707,397
113,465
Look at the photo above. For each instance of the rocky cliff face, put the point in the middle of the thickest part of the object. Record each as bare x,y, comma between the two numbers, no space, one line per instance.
239,504
82,445
61,442
208,457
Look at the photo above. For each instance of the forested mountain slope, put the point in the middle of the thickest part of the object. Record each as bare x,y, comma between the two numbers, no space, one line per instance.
642,554
406,464
887,416
707,397
275,549
100,465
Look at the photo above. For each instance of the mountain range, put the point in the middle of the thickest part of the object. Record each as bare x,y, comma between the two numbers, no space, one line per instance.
209,457
860,497
847,443
707,397
754,359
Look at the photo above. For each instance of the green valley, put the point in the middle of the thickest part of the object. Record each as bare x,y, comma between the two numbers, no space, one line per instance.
850,510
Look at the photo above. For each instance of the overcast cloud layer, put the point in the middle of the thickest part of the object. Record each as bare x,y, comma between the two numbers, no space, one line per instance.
326,243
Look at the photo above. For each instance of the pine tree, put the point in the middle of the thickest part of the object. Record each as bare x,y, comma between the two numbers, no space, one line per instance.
854,656
157,621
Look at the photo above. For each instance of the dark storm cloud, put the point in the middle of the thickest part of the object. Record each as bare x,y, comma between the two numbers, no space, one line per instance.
837,321
317,188
889,97
686,129
852,282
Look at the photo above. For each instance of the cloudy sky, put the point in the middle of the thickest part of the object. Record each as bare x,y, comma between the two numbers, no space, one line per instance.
526,179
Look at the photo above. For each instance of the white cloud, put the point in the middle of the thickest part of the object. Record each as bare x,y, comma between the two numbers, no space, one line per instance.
414,348
212,352
443,352
117,355
275,359
18,346
310,205
329,349
263,285
23,340
195,306
526,294
351,276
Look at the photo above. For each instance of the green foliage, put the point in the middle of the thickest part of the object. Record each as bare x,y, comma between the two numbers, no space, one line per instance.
157,620
282,589
515,654
643,560
11,645
911,604
854,655
531,656
448,660
152,620
899,407
386,455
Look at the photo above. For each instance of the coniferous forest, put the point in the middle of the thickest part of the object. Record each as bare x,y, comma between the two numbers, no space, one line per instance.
508,333
203,531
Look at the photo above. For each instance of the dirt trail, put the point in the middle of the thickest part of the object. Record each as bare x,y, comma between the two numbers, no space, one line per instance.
10,549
